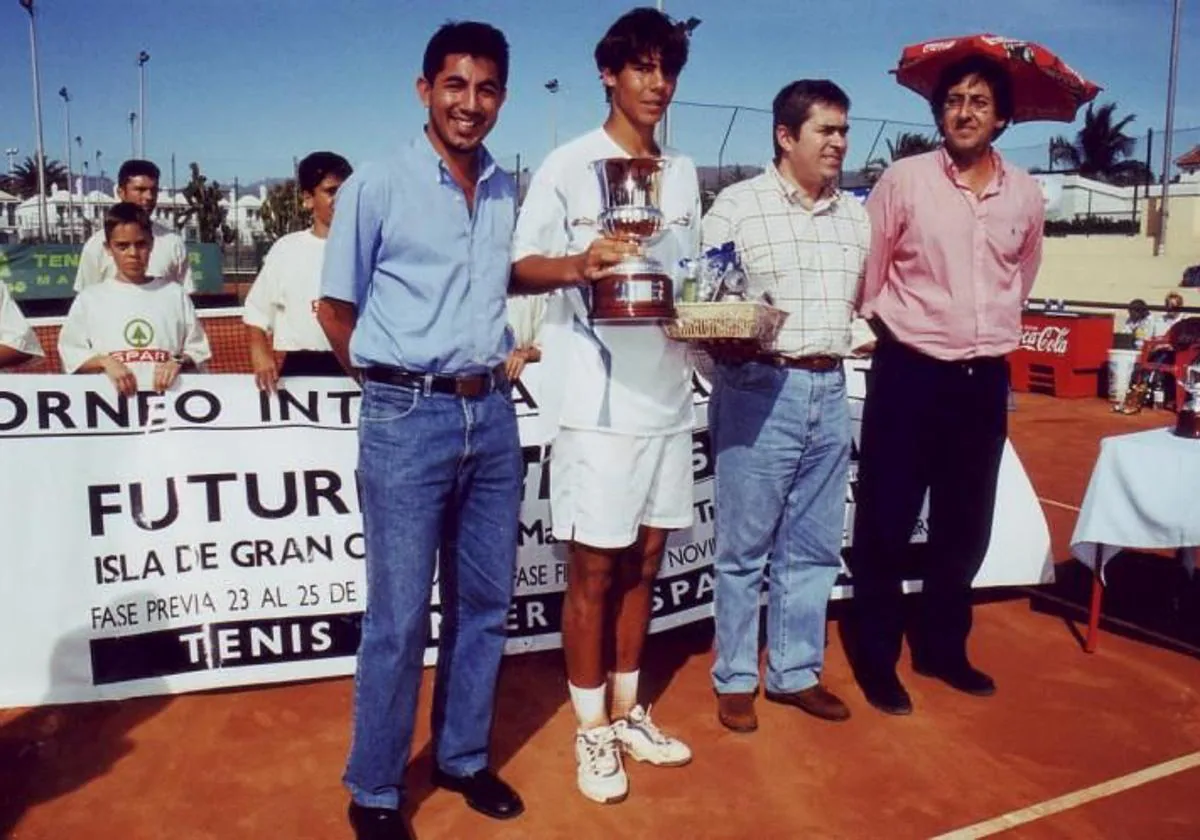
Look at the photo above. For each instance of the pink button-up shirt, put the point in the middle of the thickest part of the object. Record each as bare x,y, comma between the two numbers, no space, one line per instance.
948,270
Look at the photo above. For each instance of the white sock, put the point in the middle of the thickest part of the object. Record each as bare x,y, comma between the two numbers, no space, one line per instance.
589,706
624,688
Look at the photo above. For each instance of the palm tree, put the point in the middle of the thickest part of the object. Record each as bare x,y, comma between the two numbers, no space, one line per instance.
24,177
1101,148
909,143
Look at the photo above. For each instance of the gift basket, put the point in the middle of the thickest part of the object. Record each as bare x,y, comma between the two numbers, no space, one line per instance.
714,303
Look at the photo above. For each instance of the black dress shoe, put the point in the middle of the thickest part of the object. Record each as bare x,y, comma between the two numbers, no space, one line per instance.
887,694
484,791
377,823
963,676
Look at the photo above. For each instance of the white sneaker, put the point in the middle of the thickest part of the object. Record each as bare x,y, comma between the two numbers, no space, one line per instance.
601,776
640,738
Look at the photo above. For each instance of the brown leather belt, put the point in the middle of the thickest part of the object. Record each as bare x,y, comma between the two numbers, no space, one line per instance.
817,364
471,385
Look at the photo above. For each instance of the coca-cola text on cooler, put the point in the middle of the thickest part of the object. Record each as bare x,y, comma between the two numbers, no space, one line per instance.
1046,339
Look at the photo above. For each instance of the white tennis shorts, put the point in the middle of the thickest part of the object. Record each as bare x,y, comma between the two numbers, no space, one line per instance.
603,486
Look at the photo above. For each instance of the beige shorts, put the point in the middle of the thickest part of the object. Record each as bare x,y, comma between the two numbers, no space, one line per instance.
604,486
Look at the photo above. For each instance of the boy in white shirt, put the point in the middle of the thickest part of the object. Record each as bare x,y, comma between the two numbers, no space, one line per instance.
137,183
621,463
283,300
135,327
18,342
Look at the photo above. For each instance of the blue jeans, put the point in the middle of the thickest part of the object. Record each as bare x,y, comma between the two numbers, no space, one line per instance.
782,439
436,473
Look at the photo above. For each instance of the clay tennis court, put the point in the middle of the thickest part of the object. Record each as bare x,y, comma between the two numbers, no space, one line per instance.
1054,752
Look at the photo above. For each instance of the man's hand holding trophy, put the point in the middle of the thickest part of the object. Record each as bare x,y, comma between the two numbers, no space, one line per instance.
628,285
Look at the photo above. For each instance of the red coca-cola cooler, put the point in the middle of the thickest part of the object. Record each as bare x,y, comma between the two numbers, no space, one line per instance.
1062,353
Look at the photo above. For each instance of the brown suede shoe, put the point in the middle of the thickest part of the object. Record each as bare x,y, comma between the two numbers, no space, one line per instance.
736,711
817,701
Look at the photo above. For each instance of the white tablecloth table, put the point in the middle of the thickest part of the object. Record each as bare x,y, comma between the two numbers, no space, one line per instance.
1144,493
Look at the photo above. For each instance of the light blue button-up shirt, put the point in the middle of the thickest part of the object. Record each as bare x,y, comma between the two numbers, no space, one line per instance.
428,278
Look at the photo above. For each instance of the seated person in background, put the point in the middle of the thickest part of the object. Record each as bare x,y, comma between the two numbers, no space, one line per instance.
137,183
1165,320
135,327
283,299
18,342
525,313
1138,323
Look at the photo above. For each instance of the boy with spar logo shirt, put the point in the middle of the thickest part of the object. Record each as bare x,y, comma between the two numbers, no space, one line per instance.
135,329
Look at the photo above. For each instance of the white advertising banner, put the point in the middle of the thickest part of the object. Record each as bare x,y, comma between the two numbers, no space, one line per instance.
211,536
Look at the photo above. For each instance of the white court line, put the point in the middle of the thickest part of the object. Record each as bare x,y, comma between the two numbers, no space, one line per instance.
1128,625
1073,800
1062,505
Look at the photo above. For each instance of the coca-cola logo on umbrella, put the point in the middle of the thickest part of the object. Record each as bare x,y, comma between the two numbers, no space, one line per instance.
1046,339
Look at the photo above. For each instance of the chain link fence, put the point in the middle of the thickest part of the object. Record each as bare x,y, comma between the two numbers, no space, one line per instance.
728,141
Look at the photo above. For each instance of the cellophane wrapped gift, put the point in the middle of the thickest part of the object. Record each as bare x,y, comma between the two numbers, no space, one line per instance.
714,304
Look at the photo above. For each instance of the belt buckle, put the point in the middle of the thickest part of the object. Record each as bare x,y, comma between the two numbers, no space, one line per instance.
470,386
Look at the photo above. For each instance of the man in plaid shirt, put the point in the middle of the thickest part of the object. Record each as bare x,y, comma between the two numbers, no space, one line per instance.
780,420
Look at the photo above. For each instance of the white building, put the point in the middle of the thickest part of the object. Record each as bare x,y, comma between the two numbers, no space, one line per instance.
1074,196
1189,165
244,216
8,216
89,209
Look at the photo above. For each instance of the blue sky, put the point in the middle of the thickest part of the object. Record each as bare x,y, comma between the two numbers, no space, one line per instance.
242,86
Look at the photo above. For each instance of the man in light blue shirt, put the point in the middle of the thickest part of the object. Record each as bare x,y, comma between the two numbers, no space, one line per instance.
413,303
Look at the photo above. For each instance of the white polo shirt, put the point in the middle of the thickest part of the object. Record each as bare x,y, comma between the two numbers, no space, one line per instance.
168,260
608,377
283,299
15,331
140,325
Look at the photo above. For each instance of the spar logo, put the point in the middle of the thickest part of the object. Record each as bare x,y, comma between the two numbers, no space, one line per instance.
1045,339
139,333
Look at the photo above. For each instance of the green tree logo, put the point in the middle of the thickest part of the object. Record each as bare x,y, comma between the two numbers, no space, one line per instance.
139,333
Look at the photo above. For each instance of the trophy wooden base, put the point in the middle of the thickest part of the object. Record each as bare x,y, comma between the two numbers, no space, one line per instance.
633,298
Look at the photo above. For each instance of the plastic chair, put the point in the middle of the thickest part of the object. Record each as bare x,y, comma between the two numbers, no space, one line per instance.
1166,360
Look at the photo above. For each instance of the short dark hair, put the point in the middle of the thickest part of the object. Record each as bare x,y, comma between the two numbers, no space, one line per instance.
793,105
126,213
316,167
467,37
640,33
988,70
137,168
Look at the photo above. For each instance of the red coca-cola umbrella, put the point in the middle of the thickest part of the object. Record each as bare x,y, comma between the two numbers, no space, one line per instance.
1044,86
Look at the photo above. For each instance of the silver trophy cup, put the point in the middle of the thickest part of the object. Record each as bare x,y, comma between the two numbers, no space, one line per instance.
638,288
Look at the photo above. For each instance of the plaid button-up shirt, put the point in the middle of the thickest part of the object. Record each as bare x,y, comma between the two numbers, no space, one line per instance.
810,260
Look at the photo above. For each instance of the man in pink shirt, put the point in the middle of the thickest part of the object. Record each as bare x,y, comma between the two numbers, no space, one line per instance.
955,247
